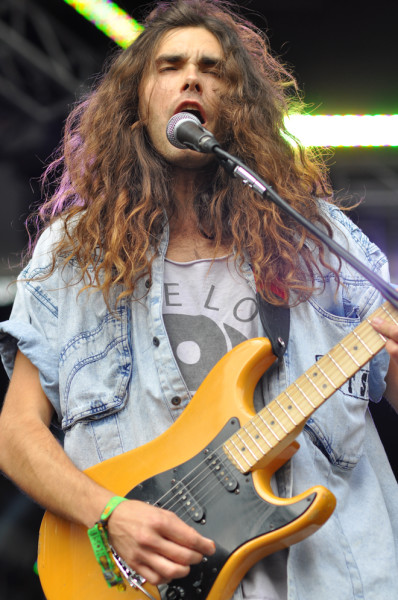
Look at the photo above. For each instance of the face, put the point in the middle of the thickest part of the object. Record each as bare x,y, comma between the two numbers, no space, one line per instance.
183,75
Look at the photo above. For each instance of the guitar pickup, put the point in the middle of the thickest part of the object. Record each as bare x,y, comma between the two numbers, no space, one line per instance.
223,473
185,499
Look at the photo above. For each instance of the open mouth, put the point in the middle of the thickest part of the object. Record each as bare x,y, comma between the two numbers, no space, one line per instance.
194,112
192,108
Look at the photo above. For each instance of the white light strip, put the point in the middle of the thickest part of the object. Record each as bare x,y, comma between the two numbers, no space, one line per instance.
344,130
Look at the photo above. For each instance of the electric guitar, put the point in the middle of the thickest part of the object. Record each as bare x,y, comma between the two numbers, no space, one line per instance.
213,468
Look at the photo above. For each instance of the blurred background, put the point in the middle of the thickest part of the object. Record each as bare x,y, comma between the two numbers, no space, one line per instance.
344,56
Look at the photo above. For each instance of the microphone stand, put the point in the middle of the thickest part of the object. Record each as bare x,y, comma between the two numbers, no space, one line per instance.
236,168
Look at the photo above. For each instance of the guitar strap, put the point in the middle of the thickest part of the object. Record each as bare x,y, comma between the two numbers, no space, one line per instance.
276,323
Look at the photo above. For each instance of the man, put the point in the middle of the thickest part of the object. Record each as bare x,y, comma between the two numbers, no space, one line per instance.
101,331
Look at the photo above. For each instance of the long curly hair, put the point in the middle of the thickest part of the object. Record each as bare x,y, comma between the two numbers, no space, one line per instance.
113,194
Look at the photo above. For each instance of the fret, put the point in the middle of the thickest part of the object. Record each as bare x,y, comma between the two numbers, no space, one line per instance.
372,331
252,422
285,411
381,336
233,457
294,403
330,382
246,446
384,307
276,418
304,394
268,427
363,343
253,439
315,386
349,354
336,364
231,439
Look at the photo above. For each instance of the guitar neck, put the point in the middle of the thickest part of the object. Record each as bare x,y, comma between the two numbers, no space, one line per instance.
272,429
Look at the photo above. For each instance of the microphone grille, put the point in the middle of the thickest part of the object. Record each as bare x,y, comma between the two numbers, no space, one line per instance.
174,123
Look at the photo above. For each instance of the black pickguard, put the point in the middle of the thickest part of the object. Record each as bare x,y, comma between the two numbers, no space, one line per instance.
220,502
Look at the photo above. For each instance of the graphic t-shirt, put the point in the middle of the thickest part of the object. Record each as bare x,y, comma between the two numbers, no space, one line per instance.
208,308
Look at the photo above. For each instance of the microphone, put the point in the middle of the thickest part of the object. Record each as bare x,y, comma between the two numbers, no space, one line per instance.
184,130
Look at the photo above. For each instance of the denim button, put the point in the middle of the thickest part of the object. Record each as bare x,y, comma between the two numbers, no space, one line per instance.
176,401
156,341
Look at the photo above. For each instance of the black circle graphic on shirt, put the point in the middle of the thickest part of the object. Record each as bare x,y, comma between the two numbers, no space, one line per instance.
234,335
198,344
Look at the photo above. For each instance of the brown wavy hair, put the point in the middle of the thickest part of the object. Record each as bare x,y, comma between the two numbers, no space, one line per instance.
112,187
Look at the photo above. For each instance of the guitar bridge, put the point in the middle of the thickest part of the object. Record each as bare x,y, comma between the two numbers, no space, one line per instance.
132,577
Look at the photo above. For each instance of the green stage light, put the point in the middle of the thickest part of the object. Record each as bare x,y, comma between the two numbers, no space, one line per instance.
110,19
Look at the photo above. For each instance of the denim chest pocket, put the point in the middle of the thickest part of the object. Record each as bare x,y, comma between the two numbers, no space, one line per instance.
337,428
95,370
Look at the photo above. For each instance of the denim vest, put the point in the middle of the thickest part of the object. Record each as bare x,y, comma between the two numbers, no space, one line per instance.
114,384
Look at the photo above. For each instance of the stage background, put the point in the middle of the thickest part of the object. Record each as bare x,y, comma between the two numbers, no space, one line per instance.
344,56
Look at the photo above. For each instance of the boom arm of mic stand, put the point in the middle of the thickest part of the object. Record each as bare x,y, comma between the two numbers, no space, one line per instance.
237,169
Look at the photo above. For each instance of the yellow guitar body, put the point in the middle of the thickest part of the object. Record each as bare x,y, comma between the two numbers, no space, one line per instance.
67,566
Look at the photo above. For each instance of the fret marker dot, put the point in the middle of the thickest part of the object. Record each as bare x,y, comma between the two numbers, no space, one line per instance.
355,347
314,374
290,407
272,422
325,385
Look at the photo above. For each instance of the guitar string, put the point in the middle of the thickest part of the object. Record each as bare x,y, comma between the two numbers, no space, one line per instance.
196,482
198,476
195,479
205,491
192,481
185,512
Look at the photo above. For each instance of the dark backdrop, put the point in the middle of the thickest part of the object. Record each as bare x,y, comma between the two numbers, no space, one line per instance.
344,57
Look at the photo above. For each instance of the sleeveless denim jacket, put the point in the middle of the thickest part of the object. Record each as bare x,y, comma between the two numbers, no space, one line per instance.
114,383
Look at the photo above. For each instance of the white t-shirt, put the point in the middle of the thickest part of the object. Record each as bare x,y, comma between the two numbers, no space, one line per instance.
208,308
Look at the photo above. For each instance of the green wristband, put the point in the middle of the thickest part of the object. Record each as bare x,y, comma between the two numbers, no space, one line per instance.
110,507
98,537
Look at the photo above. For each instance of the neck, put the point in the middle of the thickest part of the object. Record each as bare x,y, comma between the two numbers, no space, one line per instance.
186,241
185,184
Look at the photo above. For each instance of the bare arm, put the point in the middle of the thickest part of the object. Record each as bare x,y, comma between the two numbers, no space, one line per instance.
153,541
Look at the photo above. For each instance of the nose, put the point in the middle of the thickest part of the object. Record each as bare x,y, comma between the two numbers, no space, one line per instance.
191,81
